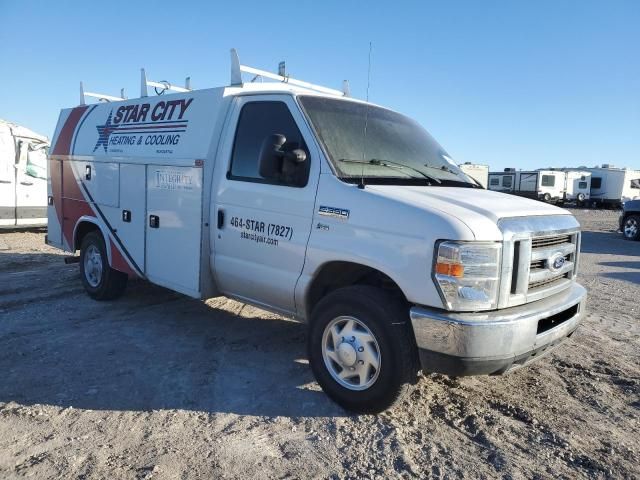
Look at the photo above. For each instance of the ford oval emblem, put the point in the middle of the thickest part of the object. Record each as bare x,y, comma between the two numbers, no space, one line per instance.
556,262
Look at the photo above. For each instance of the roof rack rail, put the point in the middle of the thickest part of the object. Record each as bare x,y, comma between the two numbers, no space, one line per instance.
100,96
163,85
237,69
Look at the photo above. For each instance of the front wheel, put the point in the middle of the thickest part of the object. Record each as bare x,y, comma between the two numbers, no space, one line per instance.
100,281
631,227
361,349
547,197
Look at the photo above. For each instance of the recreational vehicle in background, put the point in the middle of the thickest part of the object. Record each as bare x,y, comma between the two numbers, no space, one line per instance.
23,176
577,186
546,185
611,186
480,173
502,181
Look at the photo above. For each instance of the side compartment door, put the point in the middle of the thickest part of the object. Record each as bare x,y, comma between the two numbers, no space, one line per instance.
263,216
173,227
7,177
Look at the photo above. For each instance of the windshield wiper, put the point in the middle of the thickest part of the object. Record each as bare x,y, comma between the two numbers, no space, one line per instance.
393,165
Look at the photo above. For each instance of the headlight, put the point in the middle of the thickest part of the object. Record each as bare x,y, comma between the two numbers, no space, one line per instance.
468,274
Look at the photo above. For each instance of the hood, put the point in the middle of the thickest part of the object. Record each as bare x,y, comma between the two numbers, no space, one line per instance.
479,209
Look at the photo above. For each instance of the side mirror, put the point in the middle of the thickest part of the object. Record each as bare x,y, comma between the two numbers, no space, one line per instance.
296,156
271,154
277,161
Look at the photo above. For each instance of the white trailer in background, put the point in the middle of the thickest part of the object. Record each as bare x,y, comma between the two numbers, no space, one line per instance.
611,186
577,186
503,181
545,185
480,173
23,176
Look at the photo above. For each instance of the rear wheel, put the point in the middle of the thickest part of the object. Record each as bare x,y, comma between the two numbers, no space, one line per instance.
631,227
361,349
100,280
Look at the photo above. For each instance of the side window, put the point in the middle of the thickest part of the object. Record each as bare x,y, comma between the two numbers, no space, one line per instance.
495,181
259,121
507,182
548,180
596,182
635,183
582,185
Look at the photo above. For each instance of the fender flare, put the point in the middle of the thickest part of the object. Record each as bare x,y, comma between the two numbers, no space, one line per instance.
101,227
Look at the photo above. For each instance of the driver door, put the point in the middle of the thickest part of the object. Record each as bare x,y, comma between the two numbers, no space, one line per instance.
261,227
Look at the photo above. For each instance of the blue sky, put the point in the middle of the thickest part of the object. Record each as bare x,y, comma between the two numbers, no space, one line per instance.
524,84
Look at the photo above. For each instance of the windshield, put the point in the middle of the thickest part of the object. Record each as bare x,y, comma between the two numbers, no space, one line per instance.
396,149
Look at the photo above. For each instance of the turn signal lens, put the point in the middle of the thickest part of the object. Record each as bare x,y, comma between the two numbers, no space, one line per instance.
450,269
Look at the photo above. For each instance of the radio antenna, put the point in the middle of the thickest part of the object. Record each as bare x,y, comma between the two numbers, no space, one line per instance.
366,122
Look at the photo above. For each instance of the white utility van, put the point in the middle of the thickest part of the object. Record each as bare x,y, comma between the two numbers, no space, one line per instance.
611,186
337,212
23,176
477,172
545,185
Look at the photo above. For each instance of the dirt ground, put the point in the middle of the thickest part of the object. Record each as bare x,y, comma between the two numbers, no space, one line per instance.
157,385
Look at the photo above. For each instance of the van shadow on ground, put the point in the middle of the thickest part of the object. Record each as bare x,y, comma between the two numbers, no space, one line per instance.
152,349
608,243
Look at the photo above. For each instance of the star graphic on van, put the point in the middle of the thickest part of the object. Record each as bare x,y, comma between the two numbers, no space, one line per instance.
104,132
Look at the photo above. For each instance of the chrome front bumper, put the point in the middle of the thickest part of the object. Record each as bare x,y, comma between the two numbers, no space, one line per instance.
497,341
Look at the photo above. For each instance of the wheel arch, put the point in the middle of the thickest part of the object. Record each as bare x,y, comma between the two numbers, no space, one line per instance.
86,225
336,274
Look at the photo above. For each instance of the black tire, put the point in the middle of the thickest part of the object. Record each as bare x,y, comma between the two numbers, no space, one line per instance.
631,222
546,197
387,318
111,283
581,198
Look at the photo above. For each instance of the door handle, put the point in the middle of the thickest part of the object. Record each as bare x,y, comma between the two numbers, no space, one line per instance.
220,218
26,183
154,221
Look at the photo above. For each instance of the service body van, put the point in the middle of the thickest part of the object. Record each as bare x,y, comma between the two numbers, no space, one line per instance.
23,176
272,194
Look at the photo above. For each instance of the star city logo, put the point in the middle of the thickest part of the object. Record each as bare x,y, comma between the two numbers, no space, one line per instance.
104,132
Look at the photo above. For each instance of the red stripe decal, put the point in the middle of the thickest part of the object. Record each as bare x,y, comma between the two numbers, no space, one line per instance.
63,143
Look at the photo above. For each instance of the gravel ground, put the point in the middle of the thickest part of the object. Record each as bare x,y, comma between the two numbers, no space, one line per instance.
156,385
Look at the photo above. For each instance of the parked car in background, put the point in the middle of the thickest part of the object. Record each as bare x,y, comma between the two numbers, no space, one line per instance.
23,176
630,220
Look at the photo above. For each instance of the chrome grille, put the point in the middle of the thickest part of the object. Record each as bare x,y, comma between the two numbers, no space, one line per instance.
544,251
550,241
531,257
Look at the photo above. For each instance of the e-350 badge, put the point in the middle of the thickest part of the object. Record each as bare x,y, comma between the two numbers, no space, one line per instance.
341,213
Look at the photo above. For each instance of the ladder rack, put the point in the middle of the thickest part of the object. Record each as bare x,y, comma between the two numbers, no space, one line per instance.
100,96
237,69
236,80
163,85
